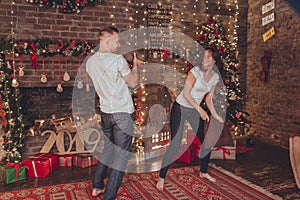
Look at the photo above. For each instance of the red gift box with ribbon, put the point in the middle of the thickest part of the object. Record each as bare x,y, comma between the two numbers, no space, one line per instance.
190,151
241,144
186,154
41,165
65,160
84,160
224,152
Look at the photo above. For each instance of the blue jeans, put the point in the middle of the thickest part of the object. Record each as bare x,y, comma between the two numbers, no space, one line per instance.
180,114
117,134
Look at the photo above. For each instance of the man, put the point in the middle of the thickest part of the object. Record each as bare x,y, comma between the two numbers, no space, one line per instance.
112,78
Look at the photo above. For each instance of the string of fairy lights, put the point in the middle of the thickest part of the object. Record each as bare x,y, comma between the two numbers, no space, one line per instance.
181,16
12,19
232,21
139,20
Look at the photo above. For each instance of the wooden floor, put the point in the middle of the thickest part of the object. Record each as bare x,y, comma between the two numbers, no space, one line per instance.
266,166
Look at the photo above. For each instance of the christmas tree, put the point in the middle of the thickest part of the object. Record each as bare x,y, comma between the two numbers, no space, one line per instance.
212,33
12,126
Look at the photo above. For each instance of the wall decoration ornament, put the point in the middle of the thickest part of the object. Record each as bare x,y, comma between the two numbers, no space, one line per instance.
265,64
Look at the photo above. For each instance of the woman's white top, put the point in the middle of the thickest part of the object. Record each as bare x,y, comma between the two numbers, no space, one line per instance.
200,88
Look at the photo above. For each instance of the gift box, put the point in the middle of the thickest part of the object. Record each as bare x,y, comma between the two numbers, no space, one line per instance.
84,160
241,144
190,151
224,152
186,154
65,160
41,165
12,172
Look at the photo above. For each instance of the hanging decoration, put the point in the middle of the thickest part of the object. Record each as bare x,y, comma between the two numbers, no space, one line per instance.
67,6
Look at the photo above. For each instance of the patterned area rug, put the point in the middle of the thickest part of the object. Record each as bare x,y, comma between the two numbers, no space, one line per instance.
181,183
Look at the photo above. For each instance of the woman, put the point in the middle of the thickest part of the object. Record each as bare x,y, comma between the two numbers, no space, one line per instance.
200,83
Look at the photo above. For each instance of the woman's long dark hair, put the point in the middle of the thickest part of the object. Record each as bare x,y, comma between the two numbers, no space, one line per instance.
219,66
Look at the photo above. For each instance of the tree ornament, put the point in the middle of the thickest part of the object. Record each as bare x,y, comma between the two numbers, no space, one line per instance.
14,83
8,65
79,84
87,88
21,71
66,76
59,88
44,78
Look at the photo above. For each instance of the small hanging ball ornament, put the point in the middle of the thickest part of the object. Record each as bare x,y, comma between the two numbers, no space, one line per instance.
14,83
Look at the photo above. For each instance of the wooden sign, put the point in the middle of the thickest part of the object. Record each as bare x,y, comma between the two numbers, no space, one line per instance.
80,138
268,7
268,19
270,33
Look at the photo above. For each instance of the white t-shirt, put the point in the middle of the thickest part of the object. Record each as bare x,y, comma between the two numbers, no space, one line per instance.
106,71
200,87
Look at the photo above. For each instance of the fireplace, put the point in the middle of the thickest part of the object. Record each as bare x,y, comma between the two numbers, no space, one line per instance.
42,103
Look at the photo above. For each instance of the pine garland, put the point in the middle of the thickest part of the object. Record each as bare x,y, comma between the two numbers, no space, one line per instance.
67,6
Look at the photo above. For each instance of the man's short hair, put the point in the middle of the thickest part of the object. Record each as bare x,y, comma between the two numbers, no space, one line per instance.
109,29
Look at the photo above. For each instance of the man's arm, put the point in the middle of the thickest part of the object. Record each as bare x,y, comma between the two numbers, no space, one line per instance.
132,79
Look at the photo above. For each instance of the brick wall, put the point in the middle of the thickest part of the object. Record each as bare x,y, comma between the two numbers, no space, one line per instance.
274,105
40,100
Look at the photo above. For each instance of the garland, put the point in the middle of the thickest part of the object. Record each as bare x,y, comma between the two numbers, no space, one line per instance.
67,6
45,48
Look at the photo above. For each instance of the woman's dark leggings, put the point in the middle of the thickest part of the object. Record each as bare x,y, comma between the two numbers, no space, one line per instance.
179,115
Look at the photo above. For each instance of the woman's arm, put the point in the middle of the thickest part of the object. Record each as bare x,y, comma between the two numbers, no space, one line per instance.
189,84
210,105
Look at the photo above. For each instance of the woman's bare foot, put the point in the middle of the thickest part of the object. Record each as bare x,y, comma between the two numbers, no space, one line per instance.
207,176
160,184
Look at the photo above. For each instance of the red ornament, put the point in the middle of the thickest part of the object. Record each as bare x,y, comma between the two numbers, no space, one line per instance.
221,49
201,37
165,53
238,115
210,21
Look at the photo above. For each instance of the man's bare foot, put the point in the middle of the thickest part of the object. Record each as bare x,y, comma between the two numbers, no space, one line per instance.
97,192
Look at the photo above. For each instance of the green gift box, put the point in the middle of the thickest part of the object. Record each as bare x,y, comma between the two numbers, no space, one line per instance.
10,175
